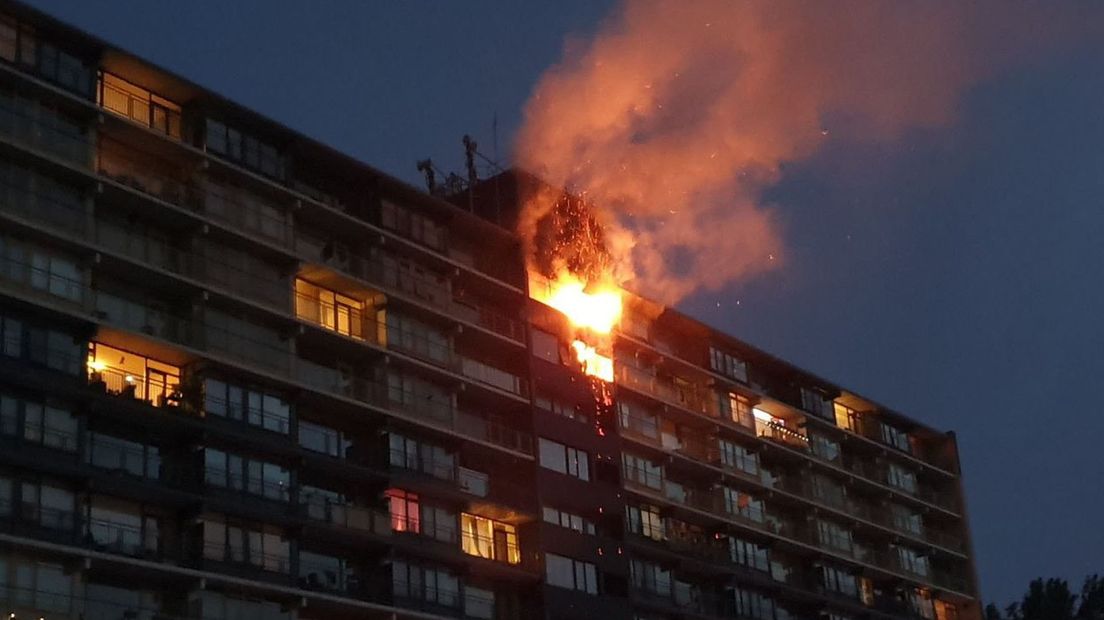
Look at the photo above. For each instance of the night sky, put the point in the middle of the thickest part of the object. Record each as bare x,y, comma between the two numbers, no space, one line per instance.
954,274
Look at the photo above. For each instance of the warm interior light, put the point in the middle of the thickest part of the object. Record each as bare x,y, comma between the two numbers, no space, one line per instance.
594,363
595,306
763,415
97,365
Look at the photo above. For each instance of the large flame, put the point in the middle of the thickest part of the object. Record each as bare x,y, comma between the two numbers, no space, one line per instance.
597,309
593,310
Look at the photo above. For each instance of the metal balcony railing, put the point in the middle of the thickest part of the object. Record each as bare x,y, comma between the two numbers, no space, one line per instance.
121,538
273,562
44,131
348,516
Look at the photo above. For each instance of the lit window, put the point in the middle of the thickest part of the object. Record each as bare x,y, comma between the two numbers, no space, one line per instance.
489,539
331,310
128,374
139,105
405,512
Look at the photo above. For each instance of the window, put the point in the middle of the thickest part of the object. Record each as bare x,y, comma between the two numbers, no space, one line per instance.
131,457
897,438
439,523
815,402
642,471
646,521
139,105
650,578
479,603
405,511
728,365
824,448
47,505
568,520
421,456
322,439
419,396
828,490
244,149
546,346
737,457
418,338
412,225
839,581
833,535
901,478
262,546
40,269
490,539
911,560
572,574
432,585
752,604
255,407
921,602
39,585
564,459
906,520
637,420
332,310
847,418
46,425
232,471
749,554
739,503
121,527
322,572
128,374
560,407
735,407
7,497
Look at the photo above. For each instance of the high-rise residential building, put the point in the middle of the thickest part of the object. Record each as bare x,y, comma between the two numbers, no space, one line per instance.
244,376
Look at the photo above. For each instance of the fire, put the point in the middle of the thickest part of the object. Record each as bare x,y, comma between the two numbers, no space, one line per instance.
594,363
593,313
598,310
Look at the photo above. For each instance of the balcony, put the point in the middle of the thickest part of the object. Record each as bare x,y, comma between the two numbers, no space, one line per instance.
146,175
683,395
139,105
489,539
347,516
122,538
32,126
408,279
129,375
495,377
271,562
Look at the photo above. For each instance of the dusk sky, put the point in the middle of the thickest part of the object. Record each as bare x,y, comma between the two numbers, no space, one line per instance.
953,273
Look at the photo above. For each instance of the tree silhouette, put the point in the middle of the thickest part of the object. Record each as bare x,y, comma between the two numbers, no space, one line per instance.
1052,600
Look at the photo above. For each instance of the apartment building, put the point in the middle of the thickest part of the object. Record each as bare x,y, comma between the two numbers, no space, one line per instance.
244,376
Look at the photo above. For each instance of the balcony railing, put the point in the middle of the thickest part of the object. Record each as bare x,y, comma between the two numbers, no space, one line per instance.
141,172
348,516
61,138
121,538
272,562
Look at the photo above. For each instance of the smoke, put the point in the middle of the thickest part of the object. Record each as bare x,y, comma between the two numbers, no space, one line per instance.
678,115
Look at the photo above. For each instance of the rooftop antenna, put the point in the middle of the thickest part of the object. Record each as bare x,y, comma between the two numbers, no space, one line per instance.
473,176
425,166
469,159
